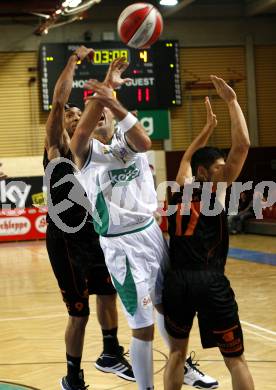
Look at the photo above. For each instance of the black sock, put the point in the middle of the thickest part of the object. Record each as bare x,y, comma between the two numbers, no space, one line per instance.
110,341
73,368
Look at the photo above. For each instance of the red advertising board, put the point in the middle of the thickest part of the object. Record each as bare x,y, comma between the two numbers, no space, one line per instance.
22,224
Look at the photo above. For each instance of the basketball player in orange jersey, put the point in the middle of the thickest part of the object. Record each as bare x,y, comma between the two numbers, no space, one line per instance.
195,282
76,258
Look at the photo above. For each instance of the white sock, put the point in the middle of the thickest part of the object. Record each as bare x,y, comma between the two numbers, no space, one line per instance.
161,327
142,363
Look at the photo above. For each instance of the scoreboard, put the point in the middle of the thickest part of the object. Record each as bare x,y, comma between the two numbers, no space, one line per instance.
154,72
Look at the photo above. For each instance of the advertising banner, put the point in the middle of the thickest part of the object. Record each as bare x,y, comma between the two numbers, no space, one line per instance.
20,216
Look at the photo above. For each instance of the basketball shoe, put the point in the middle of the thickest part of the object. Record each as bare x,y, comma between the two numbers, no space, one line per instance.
66,385
196,378
115,364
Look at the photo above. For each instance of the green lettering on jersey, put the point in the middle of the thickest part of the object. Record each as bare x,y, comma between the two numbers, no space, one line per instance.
123,176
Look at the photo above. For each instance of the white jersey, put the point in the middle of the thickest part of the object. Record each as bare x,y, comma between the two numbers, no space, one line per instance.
120,187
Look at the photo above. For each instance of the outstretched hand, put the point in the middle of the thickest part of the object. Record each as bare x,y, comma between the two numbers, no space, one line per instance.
114,74
84,52
223,89
103,94
211,120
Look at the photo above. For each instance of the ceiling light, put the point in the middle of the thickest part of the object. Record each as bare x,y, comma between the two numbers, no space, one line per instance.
168,3
74,3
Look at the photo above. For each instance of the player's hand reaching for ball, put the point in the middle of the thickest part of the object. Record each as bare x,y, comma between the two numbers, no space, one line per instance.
223,89
113,77
103,94
83,52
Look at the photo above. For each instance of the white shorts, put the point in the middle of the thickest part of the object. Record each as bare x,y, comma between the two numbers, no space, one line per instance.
135,262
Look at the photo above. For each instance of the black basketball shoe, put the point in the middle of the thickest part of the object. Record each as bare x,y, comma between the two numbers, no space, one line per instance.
116,364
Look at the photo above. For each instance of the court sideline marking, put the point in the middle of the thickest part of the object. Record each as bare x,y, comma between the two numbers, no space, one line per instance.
268,331
259,327
253,256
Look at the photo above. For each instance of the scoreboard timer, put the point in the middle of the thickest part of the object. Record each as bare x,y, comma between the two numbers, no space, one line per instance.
154,72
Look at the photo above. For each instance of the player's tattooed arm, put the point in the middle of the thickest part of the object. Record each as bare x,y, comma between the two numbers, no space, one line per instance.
200,141
63,87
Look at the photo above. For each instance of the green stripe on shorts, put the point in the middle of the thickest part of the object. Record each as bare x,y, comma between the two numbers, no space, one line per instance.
127,290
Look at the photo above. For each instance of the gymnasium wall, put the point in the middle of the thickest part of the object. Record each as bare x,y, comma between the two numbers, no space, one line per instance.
243,51
260,165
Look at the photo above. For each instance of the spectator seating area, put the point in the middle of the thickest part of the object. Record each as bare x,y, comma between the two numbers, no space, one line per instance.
266,226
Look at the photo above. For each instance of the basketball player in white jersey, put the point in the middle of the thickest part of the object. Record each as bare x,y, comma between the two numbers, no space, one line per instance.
119,184
76,256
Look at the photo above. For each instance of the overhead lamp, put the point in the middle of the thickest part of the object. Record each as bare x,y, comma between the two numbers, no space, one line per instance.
74,3
83,6
168,3
71,3
70,9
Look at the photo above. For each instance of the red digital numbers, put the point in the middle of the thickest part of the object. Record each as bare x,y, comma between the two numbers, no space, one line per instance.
87,93
143,95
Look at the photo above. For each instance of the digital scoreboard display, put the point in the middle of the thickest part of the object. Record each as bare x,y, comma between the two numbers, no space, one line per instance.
154,72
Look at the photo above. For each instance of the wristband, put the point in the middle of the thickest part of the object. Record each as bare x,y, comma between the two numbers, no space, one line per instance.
128,122
76,54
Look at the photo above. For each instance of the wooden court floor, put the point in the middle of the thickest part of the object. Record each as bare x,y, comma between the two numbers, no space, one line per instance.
33,319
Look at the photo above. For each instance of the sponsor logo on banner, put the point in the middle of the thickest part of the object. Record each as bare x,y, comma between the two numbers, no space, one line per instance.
15,192
41,224
14,226
39,199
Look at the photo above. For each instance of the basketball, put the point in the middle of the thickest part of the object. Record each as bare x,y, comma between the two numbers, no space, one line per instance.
140,25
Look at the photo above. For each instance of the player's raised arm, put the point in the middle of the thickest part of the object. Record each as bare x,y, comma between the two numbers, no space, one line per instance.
104,97
80,142
200,141
135,133
113,78
239,134
63,87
